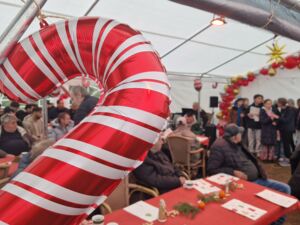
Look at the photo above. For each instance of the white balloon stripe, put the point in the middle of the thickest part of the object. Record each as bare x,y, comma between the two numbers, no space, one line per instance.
127,43
14,74
148,85
13,88
98,27
42,202
98,152
2,223
73,34
84,163
151,75
136,114
124,126
130,52
40,44
28,48
62,33
107,30
51,188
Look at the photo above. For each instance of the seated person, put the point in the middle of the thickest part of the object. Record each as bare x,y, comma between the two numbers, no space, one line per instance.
61,126
13,139
158,171
34,125
229,156
295,167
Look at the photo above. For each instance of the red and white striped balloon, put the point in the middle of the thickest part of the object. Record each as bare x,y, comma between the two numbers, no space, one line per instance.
75,175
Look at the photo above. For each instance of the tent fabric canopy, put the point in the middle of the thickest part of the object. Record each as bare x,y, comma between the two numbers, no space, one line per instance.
167,24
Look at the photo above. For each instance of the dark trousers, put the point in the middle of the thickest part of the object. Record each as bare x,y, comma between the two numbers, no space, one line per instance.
288,142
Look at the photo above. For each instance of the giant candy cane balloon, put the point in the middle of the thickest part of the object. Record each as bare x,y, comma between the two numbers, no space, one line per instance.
76,174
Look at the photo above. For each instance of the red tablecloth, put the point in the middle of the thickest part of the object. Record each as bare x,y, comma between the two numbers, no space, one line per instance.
203,140
7,158
213,214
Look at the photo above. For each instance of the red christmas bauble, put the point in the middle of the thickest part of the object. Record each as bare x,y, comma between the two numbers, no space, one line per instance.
290,62
264,71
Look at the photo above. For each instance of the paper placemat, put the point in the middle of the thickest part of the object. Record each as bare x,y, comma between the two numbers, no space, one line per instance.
143,210
222,178
244,209
277,199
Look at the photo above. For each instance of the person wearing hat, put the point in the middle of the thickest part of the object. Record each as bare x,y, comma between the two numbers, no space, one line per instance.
229,156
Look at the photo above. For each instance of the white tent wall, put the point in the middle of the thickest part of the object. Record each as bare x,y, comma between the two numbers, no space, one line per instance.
285,84
183,94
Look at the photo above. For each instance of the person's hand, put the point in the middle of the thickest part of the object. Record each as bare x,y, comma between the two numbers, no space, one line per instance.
240,175
182,180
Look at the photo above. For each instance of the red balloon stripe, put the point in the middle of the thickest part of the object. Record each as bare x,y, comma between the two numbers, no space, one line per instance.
75,175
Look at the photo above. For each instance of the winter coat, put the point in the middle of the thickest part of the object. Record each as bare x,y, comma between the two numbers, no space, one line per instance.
295,179
287,120
298,120
158,171
233,118
251,123
85,108
224,158
268,129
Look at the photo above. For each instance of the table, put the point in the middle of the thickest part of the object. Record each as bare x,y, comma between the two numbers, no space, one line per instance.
213,214
13,165
203,140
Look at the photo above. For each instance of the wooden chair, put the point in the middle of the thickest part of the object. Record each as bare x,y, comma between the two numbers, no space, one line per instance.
4,177
119,198
8,166
182,153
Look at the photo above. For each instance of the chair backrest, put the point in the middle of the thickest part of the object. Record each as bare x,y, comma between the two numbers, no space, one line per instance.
179,148
119,198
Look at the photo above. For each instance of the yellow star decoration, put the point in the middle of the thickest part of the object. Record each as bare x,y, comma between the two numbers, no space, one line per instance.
276,53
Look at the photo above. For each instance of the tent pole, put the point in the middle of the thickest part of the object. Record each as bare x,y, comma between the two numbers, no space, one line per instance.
91,7
185,41
18,26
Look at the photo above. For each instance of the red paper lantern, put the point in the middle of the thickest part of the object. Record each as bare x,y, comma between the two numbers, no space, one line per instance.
290,62
197,85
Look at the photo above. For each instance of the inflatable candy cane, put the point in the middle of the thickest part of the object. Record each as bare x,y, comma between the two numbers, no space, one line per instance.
70,179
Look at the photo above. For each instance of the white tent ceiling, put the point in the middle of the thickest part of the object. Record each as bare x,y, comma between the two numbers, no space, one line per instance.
166,24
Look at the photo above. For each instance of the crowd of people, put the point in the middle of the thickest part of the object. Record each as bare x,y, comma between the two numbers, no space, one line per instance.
272,128
23,129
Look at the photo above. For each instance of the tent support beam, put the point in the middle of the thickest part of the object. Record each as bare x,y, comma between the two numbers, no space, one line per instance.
91,8
185,41
237,56
18,26
276,16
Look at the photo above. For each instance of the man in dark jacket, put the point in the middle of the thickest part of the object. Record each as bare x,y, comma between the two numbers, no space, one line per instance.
295,168
253,124
230,157
298,123
158,171
85,102
286,126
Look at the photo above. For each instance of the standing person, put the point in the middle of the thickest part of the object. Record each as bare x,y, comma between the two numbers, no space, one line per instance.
203,115
268,120
237,113
298,123
34,125
253,124
286,128
86,103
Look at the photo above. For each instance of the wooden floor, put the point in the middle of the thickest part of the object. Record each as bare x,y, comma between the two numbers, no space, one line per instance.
283,174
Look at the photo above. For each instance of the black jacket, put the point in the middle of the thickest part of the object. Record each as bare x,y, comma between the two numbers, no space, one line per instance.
287,120
268,130
298,119
85,108
224,158
295,167
250,122
158,171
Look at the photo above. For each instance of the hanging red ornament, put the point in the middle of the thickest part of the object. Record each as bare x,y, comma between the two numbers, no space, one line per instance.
245,82
264,71
214,85
275,65
197,84
251,77
290,62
